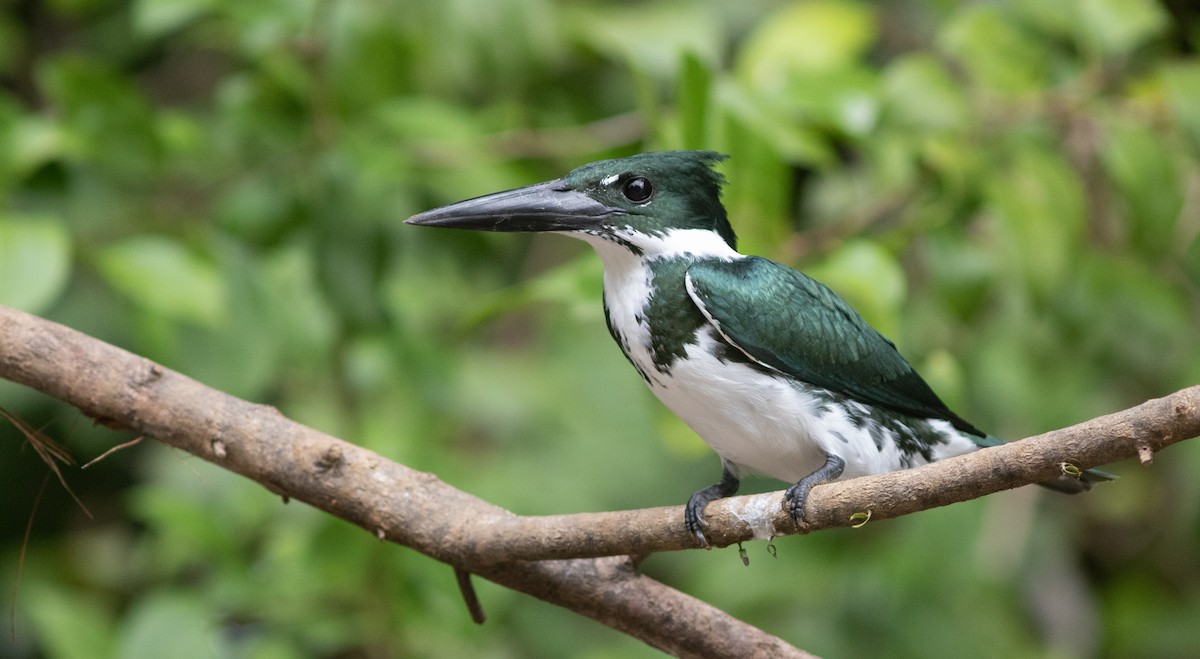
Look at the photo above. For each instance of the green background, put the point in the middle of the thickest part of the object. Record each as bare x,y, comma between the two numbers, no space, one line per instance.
1009,189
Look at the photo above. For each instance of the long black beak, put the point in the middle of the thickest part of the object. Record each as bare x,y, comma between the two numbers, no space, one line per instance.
549,206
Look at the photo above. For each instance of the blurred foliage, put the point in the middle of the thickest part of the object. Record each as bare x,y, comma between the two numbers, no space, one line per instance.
1010,189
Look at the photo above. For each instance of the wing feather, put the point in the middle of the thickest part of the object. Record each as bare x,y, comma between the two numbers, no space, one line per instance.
789,322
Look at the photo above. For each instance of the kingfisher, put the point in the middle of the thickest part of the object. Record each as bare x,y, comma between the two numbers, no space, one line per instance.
771,368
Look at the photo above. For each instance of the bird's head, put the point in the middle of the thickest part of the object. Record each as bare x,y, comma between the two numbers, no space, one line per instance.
644,196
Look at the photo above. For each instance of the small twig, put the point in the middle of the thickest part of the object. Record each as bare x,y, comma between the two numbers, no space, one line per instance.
50,451
470,596
37,502
112,450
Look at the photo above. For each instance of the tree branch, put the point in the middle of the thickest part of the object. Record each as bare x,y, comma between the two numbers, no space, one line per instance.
418,510
1136,432
388,499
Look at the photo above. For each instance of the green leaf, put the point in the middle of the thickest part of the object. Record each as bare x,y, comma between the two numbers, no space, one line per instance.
300,317
103,115
1139,162
35,141
649,38
156,18
997,55
1105,28
1182,80
695,94
70,624
760,202
806,37
1058,19
771,121
163,276
35,261
253,208
171,626
1146,328
1039,199
962,272
806,60
919,92
1116,27
943,372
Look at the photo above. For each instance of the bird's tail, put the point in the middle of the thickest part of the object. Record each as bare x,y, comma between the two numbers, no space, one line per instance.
1071,481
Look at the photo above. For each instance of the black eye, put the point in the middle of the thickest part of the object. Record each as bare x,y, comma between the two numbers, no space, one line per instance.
637,189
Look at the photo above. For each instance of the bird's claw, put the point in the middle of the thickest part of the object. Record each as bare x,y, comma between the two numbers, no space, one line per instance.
797,495
693,512
794,500
693,520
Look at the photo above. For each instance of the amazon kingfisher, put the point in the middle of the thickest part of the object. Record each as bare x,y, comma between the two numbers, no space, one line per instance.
772,369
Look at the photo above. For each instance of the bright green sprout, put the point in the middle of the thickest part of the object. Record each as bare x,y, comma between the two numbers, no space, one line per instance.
865,517
1070,469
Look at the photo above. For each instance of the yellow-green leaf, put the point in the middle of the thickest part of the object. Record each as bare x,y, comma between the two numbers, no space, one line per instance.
35,259
162,275
808,37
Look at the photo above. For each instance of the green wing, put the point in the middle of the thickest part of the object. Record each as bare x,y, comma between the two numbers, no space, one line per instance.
792,323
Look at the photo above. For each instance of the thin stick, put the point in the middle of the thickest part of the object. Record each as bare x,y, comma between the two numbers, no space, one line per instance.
114,449
470,596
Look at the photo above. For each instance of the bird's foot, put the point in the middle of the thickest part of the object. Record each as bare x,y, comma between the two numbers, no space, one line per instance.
796,495
693,516
693,513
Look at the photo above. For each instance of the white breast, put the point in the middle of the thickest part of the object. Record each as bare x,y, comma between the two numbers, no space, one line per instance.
776,426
